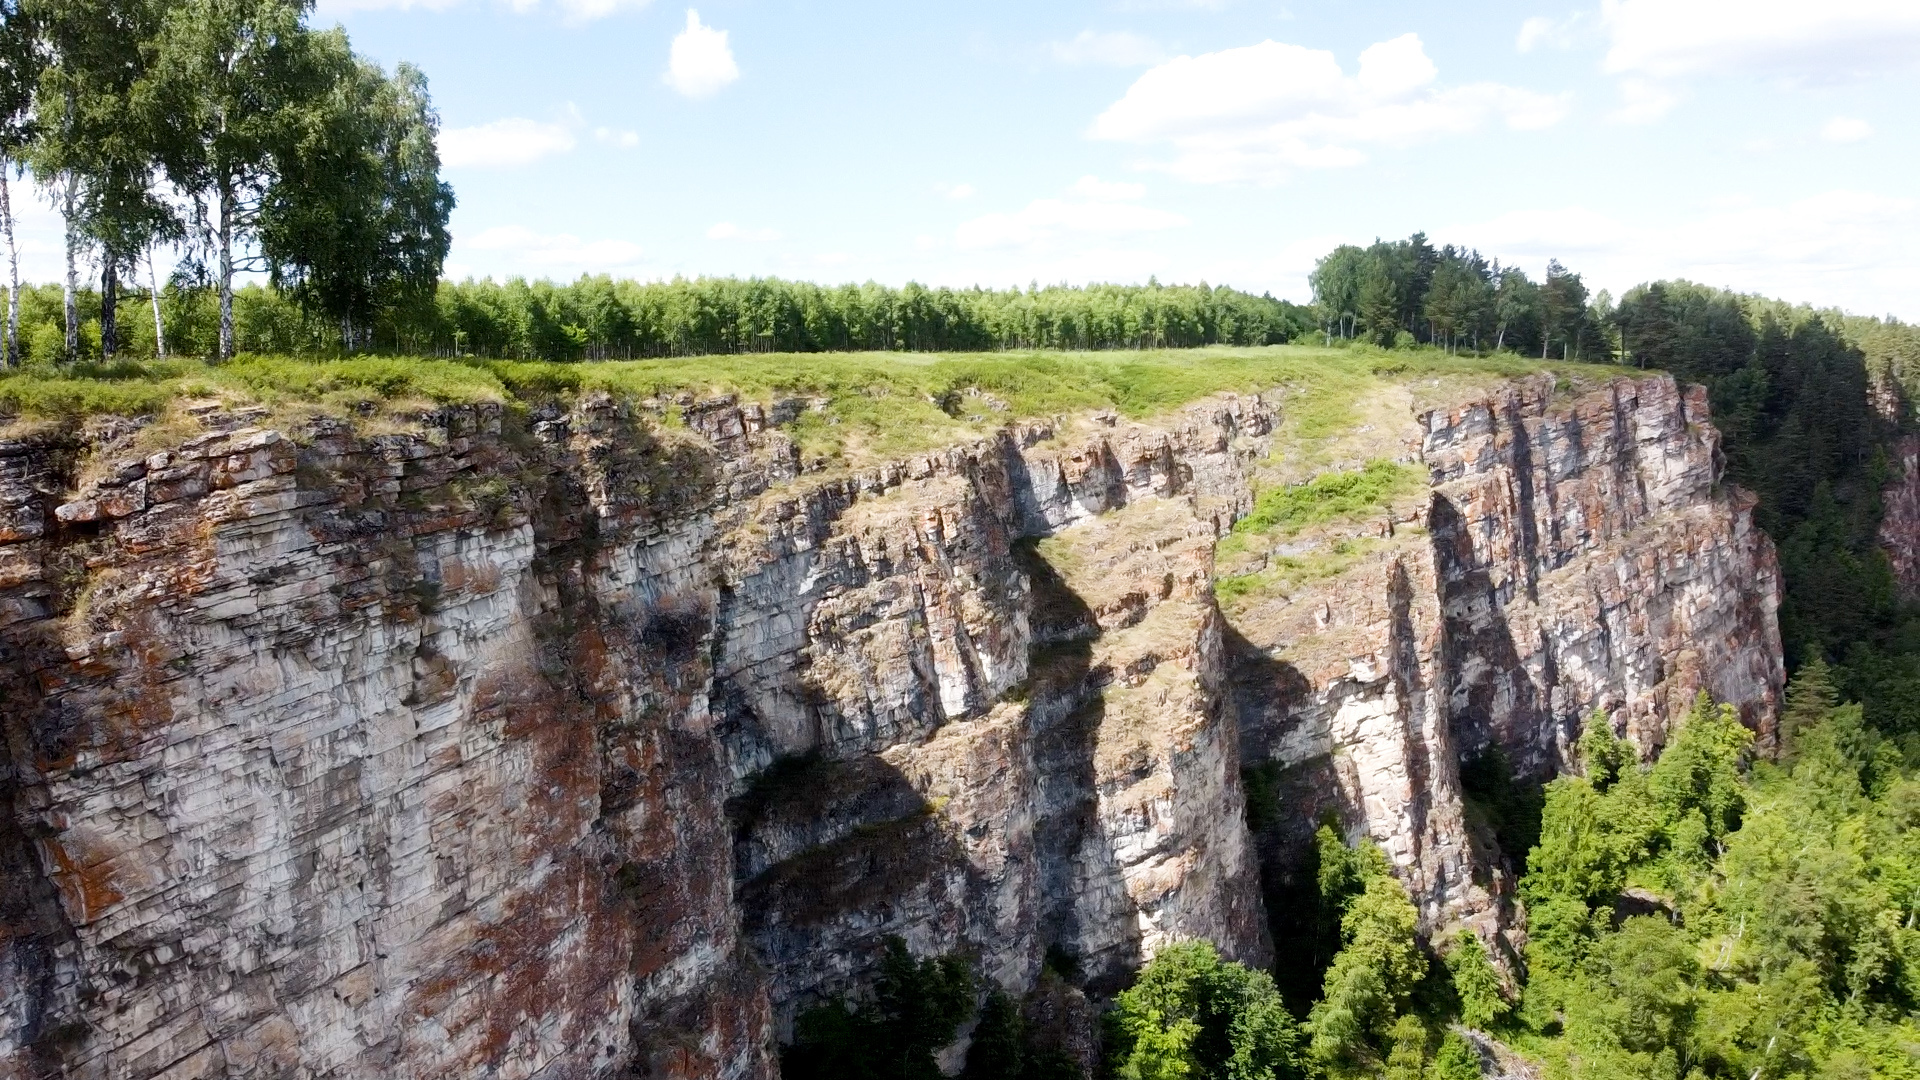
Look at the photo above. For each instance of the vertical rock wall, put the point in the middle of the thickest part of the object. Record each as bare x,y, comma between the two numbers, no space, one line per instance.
1573,555
1900,520
571,744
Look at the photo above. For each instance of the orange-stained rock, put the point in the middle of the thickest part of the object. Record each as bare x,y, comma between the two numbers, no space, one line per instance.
574,744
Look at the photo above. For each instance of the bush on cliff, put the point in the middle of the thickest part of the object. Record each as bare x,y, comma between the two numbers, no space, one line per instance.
917,1007
1194,1015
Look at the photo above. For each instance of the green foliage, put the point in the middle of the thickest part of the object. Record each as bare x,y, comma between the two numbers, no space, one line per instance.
236,128
1332,496
1602,753
1409,1041
917,1007
1810,697
1777,905
366,230
1483,1000
1372,979
1398,293
1457,1060
1697,777
999,1050
1192,1014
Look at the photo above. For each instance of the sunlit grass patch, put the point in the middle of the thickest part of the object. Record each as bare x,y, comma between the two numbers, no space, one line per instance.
1287,574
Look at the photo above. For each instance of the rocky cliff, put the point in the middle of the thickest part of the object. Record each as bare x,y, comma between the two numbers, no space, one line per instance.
581,743
1569,556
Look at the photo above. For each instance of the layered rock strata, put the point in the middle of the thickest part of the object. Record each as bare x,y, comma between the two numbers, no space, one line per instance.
1571,556
574,743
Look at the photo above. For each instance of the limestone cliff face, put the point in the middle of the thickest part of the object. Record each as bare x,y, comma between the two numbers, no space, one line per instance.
578,744
556,750
1571,556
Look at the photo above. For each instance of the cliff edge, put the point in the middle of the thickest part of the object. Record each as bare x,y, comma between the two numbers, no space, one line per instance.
576,741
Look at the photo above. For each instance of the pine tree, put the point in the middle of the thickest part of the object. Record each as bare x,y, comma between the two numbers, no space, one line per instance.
1483,1001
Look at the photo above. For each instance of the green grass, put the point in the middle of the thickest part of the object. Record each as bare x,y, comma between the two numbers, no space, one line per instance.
874,404
1334,496
1286,574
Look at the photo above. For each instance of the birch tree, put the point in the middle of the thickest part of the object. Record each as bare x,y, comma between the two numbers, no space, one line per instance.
366,230
19,75
230,78
101,142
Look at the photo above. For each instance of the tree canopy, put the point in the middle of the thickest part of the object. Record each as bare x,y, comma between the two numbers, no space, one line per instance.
233,127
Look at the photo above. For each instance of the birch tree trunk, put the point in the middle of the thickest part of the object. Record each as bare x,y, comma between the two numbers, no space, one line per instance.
109,303
159,327
12,355
226,269
72,297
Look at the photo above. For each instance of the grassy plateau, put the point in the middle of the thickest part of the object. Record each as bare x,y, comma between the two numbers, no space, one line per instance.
865,405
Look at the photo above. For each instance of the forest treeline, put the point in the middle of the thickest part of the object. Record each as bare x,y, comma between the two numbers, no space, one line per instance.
600,318
1404,293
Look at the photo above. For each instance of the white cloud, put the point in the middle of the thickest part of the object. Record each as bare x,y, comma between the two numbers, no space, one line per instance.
956,191
1540,31
521,250
1643,101
1823,41
1117,48
1258,112
1092,187
1844,129
503,143
1848,249
1098,209
727,230
701,62
626,140
336,8
588,10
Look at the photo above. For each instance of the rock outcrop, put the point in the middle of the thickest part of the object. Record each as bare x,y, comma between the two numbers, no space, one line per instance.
1900,520
1571,556
580,744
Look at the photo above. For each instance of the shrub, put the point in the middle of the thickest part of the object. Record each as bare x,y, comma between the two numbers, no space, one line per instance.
1192,1014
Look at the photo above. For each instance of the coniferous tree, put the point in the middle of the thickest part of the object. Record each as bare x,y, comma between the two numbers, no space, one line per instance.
1483,1001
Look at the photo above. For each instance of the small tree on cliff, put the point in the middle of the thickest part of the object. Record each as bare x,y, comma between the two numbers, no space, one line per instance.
917,1007
1193,1015
1372,979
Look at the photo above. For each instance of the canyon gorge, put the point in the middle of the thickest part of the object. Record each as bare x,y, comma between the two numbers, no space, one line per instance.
602,738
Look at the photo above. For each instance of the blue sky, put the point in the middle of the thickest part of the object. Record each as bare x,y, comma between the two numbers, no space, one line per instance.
1764,145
